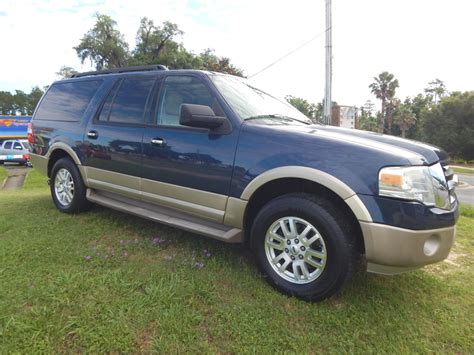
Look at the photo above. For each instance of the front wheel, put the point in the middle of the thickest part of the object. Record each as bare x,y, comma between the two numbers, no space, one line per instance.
304,245
67,188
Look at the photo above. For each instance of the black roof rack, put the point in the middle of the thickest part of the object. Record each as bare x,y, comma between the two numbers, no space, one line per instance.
122,70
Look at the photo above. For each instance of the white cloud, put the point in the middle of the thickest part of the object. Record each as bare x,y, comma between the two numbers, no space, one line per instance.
416,40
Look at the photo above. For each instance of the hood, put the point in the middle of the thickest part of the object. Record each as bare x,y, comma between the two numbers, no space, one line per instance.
430,153
416,152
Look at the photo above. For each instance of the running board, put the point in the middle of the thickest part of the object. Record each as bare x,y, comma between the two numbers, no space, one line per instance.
166,216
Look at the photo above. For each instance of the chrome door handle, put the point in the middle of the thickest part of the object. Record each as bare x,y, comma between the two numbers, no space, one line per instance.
92,134
158,141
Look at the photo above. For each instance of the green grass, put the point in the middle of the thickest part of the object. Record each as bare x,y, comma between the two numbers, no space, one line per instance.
3,175
136,296
467,211
462,170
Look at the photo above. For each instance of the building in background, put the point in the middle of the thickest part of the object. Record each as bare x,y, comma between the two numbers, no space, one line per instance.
14,127
344,116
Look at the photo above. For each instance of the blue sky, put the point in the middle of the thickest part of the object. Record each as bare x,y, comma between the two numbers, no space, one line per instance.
418,40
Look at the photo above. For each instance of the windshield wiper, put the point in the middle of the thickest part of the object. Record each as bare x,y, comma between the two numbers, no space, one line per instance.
276,116
273,116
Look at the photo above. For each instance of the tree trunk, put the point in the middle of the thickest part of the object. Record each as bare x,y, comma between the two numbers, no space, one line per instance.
382,117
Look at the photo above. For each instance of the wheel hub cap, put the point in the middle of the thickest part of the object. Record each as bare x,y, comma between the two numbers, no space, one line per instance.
295,250
64,187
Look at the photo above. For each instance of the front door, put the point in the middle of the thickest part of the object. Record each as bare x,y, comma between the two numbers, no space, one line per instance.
113,139
187,168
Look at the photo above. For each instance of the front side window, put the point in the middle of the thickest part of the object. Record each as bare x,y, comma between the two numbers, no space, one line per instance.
67,101
17,146
178,90
127,103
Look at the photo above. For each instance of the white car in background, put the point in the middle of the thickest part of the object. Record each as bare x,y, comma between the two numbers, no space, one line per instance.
15,151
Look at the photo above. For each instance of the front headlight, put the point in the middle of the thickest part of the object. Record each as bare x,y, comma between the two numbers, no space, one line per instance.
426,184
411,183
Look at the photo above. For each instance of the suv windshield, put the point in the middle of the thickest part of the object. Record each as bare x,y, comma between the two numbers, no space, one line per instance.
249,102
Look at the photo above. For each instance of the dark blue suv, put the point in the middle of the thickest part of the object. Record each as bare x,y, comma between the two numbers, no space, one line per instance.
211,154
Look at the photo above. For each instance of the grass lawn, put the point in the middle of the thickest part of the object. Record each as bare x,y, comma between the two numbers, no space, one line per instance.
461,170
3,175
104,281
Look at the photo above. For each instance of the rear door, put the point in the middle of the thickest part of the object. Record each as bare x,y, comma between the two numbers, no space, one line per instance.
113,140
187,168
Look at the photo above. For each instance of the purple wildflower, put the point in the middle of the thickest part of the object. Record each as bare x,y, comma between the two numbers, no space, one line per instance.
125,254
208,254
88,257
157,241
199,265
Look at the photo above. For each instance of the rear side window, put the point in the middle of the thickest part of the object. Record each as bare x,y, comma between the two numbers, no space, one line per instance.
127,102
67,101
8,145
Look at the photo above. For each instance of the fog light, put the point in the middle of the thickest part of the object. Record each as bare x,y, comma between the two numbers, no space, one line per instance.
431,245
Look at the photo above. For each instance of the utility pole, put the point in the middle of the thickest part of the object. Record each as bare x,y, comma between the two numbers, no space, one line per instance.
327,94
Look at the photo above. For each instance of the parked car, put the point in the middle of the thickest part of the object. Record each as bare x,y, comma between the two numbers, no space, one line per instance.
14,151
211,154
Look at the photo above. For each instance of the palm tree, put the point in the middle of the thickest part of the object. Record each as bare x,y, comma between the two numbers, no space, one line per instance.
405,118
384,89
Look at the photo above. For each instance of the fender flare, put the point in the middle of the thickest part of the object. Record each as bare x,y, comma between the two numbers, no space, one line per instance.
66,148
320,177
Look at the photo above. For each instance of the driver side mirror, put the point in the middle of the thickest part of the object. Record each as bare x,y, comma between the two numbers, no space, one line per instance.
200,116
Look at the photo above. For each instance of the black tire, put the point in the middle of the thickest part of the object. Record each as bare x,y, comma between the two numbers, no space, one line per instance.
79,203
339,243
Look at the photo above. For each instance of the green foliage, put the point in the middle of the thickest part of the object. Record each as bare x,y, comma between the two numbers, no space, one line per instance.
436,90
210,61
450,124
19,103
404,118
418,105
103,45
155,43
368,118
310,110
7,103
66,72
384,87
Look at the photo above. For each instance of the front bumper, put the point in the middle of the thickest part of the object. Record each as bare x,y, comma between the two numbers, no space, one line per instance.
393,250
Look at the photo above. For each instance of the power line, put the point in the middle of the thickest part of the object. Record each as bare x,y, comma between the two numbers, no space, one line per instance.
290,53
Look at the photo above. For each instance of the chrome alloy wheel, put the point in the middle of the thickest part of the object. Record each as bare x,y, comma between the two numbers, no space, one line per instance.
64,187
295,250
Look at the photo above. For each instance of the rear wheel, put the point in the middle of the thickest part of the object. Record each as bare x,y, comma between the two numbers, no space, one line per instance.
304,245
67,188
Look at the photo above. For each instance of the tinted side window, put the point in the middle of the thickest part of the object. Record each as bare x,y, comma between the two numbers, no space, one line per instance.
105,111
67,101
17,146
130,101
178,90
8,145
